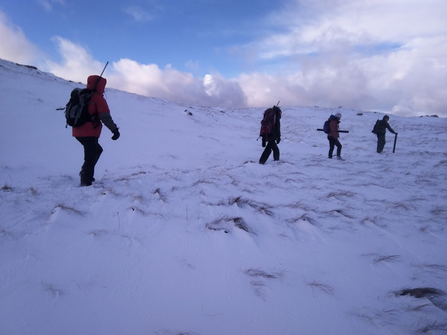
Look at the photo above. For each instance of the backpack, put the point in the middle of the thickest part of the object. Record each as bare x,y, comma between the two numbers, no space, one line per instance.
326,127
268,122
376,127
76,110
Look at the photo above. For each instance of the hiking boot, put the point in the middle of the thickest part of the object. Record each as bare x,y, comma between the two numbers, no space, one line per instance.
81,174
339,158
85,183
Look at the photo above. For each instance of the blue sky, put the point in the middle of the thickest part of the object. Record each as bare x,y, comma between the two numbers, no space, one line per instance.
385,55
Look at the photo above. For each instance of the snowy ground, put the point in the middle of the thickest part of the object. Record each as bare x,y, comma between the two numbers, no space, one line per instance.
184,233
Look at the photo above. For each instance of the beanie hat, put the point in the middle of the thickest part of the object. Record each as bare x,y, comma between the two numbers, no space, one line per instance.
338,115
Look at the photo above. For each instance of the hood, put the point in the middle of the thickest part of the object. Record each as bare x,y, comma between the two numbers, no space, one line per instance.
100,86
386,118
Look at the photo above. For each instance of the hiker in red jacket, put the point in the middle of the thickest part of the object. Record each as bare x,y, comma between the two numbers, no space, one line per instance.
333,135
88,134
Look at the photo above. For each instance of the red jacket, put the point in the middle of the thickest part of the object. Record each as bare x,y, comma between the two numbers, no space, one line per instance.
97,104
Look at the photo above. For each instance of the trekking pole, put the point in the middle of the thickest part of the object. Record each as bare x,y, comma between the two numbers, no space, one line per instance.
340,131
104,69
100,76
395,140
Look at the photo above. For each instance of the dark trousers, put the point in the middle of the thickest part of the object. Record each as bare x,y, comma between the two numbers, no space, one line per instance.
92,152
334,142
271,146
380,142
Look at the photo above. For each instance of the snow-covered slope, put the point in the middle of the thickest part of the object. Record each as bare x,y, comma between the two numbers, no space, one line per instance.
184,233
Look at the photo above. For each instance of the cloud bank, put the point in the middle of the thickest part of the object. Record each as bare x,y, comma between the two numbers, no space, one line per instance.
370,55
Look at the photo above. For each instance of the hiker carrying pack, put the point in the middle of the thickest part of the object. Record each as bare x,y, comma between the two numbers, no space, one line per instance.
88,133
77,108
380,129
270,133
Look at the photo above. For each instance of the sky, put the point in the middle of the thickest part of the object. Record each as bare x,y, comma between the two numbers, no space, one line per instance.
385,55
183,232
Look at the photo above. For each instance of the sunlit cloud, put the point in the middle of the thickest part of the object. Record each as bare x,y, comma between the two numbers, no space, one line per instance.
14,45
369,55
77,63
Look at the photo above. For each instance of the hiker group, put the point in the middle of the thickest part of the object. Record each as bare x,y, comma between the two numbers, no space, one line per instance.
87,111
271,133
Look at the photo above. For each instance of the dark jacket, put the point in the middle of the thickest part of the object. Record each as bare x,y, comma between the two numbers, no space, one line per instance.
97,105
382,126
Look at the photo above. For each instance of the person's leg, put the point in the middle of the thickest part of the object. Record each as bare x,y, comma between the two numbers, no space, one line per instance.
90,145
275,151
380,143
331,146
99,151
265,155
339,146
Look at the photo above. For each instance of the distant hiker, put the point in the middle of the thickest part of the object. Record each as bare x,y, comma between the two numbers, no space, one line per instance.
333,135
88,134
271,133
380,130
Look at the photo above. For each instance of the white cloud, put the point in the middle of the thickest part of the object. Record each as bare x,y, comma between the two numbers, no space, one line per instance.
77,63
386,54
169,83
49,4
139,14
14,45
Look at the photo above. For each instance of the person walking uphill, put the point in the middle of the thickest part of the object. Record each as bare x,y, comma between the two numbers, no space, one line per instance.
271,133
333,135
380,130
88,134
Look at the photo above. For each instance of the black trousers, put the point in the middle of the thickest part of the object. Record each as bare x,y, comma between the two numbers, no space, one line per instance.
271,146
380,142
92,152
334,142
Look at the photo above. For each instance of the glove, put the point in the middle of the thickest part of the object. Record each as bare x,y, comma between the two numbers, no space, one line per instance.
116,134
263,143
278,140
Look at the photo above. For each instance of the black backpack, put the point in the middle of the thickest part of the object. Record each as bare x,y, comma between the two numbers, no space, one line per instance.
376,127
76,110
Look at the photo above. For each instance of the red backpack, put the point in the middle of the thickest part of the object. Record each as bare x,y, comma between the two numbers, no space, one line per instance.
268,122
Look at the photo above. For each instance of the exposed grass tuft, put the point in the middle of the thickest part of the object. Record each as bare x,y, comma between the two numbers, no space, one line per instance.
341,194
387,258
341,212
260,273
436,296
322,287
304,217
243,202
161,196
219,223
6,188
52,289
68,209
434,326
